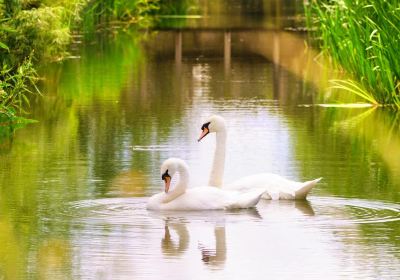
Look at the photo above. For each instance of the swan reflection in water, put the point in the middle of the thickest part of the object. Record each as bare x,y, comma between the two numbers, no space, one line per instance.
181,242
168,245
282,209
305,207
214,257
176,239
211,256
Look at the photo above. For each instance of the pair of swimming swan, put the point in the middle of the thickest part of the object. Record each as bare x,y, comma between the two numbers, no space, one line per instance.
243,193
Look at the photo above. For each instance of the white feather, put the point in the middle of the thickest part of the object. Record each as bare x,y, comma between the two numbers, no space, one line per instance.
199,198
274,185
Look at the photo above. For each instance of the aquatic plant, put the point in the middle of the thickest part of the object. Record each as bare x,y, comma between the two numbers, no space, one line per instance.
28,34
363,38
31,31
15,86
40,30
43,29
144,13
98,13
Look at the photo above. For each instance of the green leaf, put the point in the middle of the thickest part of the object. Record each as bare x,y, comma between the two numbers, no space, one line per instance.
4,46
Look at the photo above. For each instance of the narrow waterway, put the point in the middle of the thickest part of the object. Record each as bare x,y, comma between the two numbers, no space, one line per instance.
73,187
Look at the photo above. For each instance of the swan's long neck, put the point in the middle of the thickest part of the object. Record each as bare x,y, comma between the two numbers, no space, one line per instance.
217,171
180,186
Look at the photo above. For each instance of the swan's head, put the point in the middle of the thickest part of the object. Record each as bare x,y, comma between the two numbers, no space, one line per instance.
212,124
169,168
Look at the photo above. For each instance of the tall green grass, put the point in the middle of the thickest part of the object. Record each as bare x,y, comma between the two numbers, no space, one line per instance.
103,12
37,31
15,87
363,38
30,32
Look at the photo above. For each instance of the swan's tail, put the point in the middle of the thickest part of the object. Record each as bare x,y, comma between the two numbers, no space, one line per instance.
306,187
247,199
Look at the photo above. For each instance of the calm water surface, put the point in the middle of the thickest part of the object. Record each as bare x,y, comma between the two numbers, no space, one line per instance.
74,185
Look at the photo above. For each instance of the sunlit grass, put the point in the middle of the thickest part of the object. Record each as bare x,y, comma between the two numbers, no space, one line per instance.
15,86
363,38
353,87
33,32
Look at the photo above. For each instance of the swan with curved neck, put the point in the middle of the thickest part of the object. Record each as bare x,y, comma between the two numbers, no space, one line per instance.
275,186
198,198
216,124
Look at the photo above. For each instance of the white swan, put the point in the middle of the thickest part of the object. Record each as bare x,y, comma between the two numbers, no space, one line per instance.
275,186
199,198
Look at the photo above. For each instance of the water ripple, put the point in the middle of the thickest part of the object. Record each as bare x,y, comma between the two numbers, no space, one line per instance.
162,148
355,211
323,210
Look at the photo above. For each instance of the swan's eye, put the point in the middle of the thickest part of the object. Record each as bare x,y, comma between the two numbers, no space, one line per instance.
165,174
205,125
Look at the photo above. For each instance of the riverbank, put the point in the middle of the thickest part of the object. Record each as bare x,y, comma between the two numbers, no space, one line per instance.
34,32
363,40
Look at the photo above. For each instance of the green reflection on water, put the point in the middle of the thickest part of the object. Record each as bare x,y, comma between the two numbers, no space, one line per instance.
356,150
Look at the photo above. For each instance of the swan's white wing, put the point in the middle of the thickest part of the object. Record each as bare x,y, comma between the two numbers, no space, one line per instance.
200,198
246,199
211,198
275,186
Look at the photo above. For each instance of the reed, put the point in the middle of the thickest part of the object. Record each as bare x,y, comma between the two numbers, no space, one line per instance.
15,86
102,13
29,32
363,38
40,30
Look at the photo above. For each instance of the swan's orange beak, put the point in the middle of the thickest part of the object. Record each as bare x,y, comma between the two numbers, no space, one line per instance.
203,134
167,181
